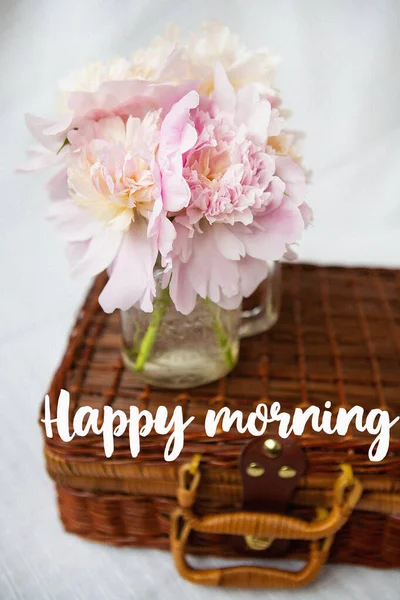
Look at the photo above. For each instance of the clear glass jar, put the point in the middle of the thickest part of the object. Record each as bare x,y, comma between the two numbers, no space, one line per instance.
171,350
261,310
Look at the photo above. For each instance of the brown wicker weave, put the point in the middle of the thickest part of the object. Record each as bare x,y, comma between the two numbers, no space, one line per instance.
338,339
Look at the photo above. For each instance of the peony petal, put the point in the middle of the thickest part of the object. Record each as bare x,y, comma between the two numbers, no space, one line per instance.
188,138
176,136
290,253
276,189
175,123
275,123
40,158
293,176
306,213
211,274
230,303
257,67
58,127
166,237
74,223
252,273
282,226
131,275
167,95
223,94
38,126
76,251
175,190
101,251
58,186
160,229
230,246
253,112
176,65
181,291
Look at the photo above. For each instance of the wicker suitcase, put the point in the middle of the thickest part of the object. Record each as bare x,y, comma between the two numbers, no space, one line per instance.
337,340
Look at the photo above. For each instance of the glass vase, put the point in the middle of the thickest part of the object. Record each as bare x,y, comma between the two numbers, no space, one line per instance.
168,349
261,310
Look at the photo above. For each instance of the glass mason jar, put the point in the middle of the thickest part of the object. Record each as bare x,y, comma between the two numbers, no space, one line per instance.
168,349
261,310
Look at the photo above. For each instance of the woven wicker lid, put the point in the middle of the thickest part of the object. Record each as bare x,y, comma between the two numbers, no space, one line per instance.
337,340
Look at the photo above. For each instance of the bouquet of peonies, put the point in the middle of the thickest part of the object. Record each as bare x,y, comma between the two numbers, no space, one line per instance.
175,159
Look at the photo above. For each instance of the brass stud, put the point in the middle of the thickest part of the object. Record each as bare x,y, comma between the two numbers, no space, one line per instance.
287,472
257,543
272,448
255,470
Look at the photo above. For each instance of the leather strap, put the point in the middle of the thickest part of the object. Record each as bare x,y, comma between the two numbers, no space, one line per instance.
268,490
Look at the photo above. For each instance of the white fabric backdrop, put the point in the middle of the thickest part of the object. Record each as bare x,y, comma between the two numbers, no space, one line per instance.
340,75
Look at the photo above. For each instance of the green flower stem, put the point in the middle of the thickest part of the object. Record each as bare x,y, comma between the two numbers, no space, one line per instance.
221,335
160,306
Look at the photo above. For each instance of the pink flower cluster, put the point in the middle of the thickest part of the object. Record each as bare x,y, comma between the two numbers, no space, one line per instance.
192,175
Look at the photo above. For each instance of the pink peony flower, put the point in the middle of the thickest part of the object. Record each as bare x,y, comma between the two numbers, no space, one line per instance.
177,157
123,179
246,204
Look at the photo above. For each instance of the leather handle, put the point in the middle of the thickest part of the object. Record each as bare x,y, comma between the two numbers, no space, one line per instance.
244,576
